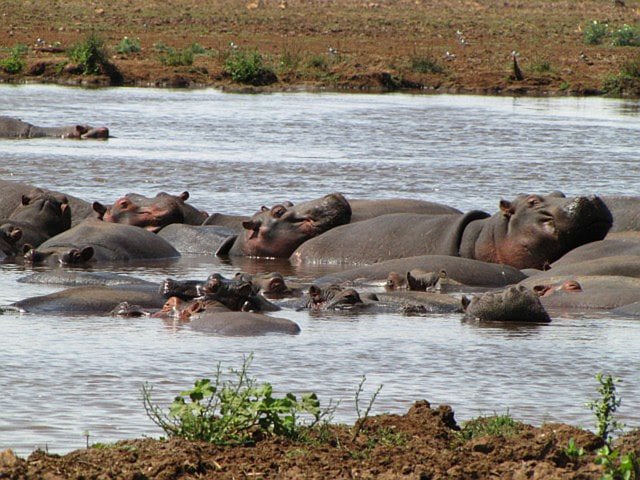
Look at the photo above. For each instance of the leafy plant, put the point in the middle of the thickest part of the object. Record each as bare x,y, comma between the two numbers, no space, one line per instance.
626,36
90,54
572,450
248,67
362,416
128,45
595,32
496,425
14,63
616,466
425,64
318,62
233,411
540,65
606,406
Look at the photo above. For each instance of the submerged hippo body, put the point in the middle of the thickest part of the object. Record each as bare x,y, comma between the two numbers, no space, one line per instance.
96,241
461,270
241,324
15,128
11,195
531,231
196,239
364,209
151,213
278,231
514,304
91,300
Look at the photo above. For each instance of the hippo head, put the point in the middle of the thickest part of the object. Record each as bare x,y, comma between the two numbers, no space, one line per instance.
47,211
150,213
85,131
514,304
235,293
65,256
333,297
533,231
276,232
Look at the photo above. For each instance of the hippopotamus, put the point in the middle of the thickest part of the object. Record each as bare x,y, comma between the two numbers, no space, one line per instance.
151,213
615,244
196,239
11,194
276,232
617,265
332,297
585,292
40,216
473,273
98,241
75,278
364,209
91,300
241,324
514,304
531,231
625,211
11,127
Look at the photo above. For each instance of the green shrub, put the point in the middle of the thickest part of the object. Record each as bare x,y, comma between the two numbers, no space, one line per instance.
248,67
626,36
176,58
128,45
595,32
606,406
628,80
14,63
233,412
319,62
540,65
496,425
90,54
425,64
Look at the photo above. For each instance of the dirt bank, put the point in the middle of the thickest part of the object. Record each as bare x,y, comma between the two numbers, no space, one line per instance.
380,45
425,443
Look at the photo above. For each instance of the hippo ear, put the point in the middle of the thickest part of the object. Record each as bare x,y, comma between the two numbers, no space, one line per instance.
15,234
184,196
25,200
251,224
506,208
26,248
100,209
86,254
264,209
557,194
465,302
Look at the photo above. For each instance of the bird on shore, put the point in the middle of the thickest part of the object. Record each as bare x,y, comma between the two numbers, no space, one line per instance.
517,73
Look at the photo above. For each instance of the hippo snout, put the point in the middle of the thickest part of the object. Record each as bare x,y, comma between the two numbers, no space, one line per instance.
98,132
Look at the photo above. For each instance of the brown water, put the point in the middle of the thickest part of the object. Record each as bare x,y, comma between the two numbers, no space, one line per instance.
64,376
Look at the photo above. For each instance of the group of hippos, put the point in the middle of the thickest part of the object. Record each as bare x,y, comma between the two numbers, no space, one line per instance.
537,254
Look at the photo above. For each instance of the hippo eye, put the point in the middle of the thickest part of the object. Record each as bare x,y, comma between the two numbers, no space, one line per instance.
278,211
534,201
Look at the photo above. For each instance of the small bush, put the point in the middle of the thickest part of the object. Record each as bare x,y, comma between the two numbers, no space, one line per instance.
540,65
14,63
234,412
425,64
177,58
318,62
628,80
595,32
496,425
90,54
248,67
626,36
128,45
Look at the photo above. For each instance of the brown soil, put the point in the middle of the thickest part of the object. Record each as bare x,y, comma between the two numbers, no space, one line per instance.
422,444
369,45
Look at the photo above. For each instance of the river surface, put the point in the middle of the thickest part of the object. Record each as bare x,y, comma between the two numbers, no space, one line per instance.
64,379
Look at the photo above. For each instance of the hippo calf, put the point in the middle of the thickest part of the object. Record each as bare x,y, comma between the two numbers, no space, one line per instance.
11,127
514,304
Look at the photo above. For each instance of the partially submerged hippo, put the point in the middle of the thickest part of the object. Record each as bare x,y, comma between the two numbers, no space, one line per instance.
40,216
96,241
514,304
276,232
151,213
11,127
529,232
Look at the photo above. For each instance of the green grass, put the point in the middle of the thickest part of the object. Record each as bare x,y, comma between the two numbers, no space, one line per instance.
248,67
626,36
595,32
14,63
90,54
128,45
497,425
425,64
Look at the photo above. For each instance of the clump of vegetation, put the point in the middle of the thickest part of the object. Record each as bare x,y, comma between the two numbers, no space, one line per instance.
318,62
425,64
616,466
91,55
626,36
248,67
540,65
172,57
595,32
128,45
627,80
14,63
496,425
235,411
290,60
